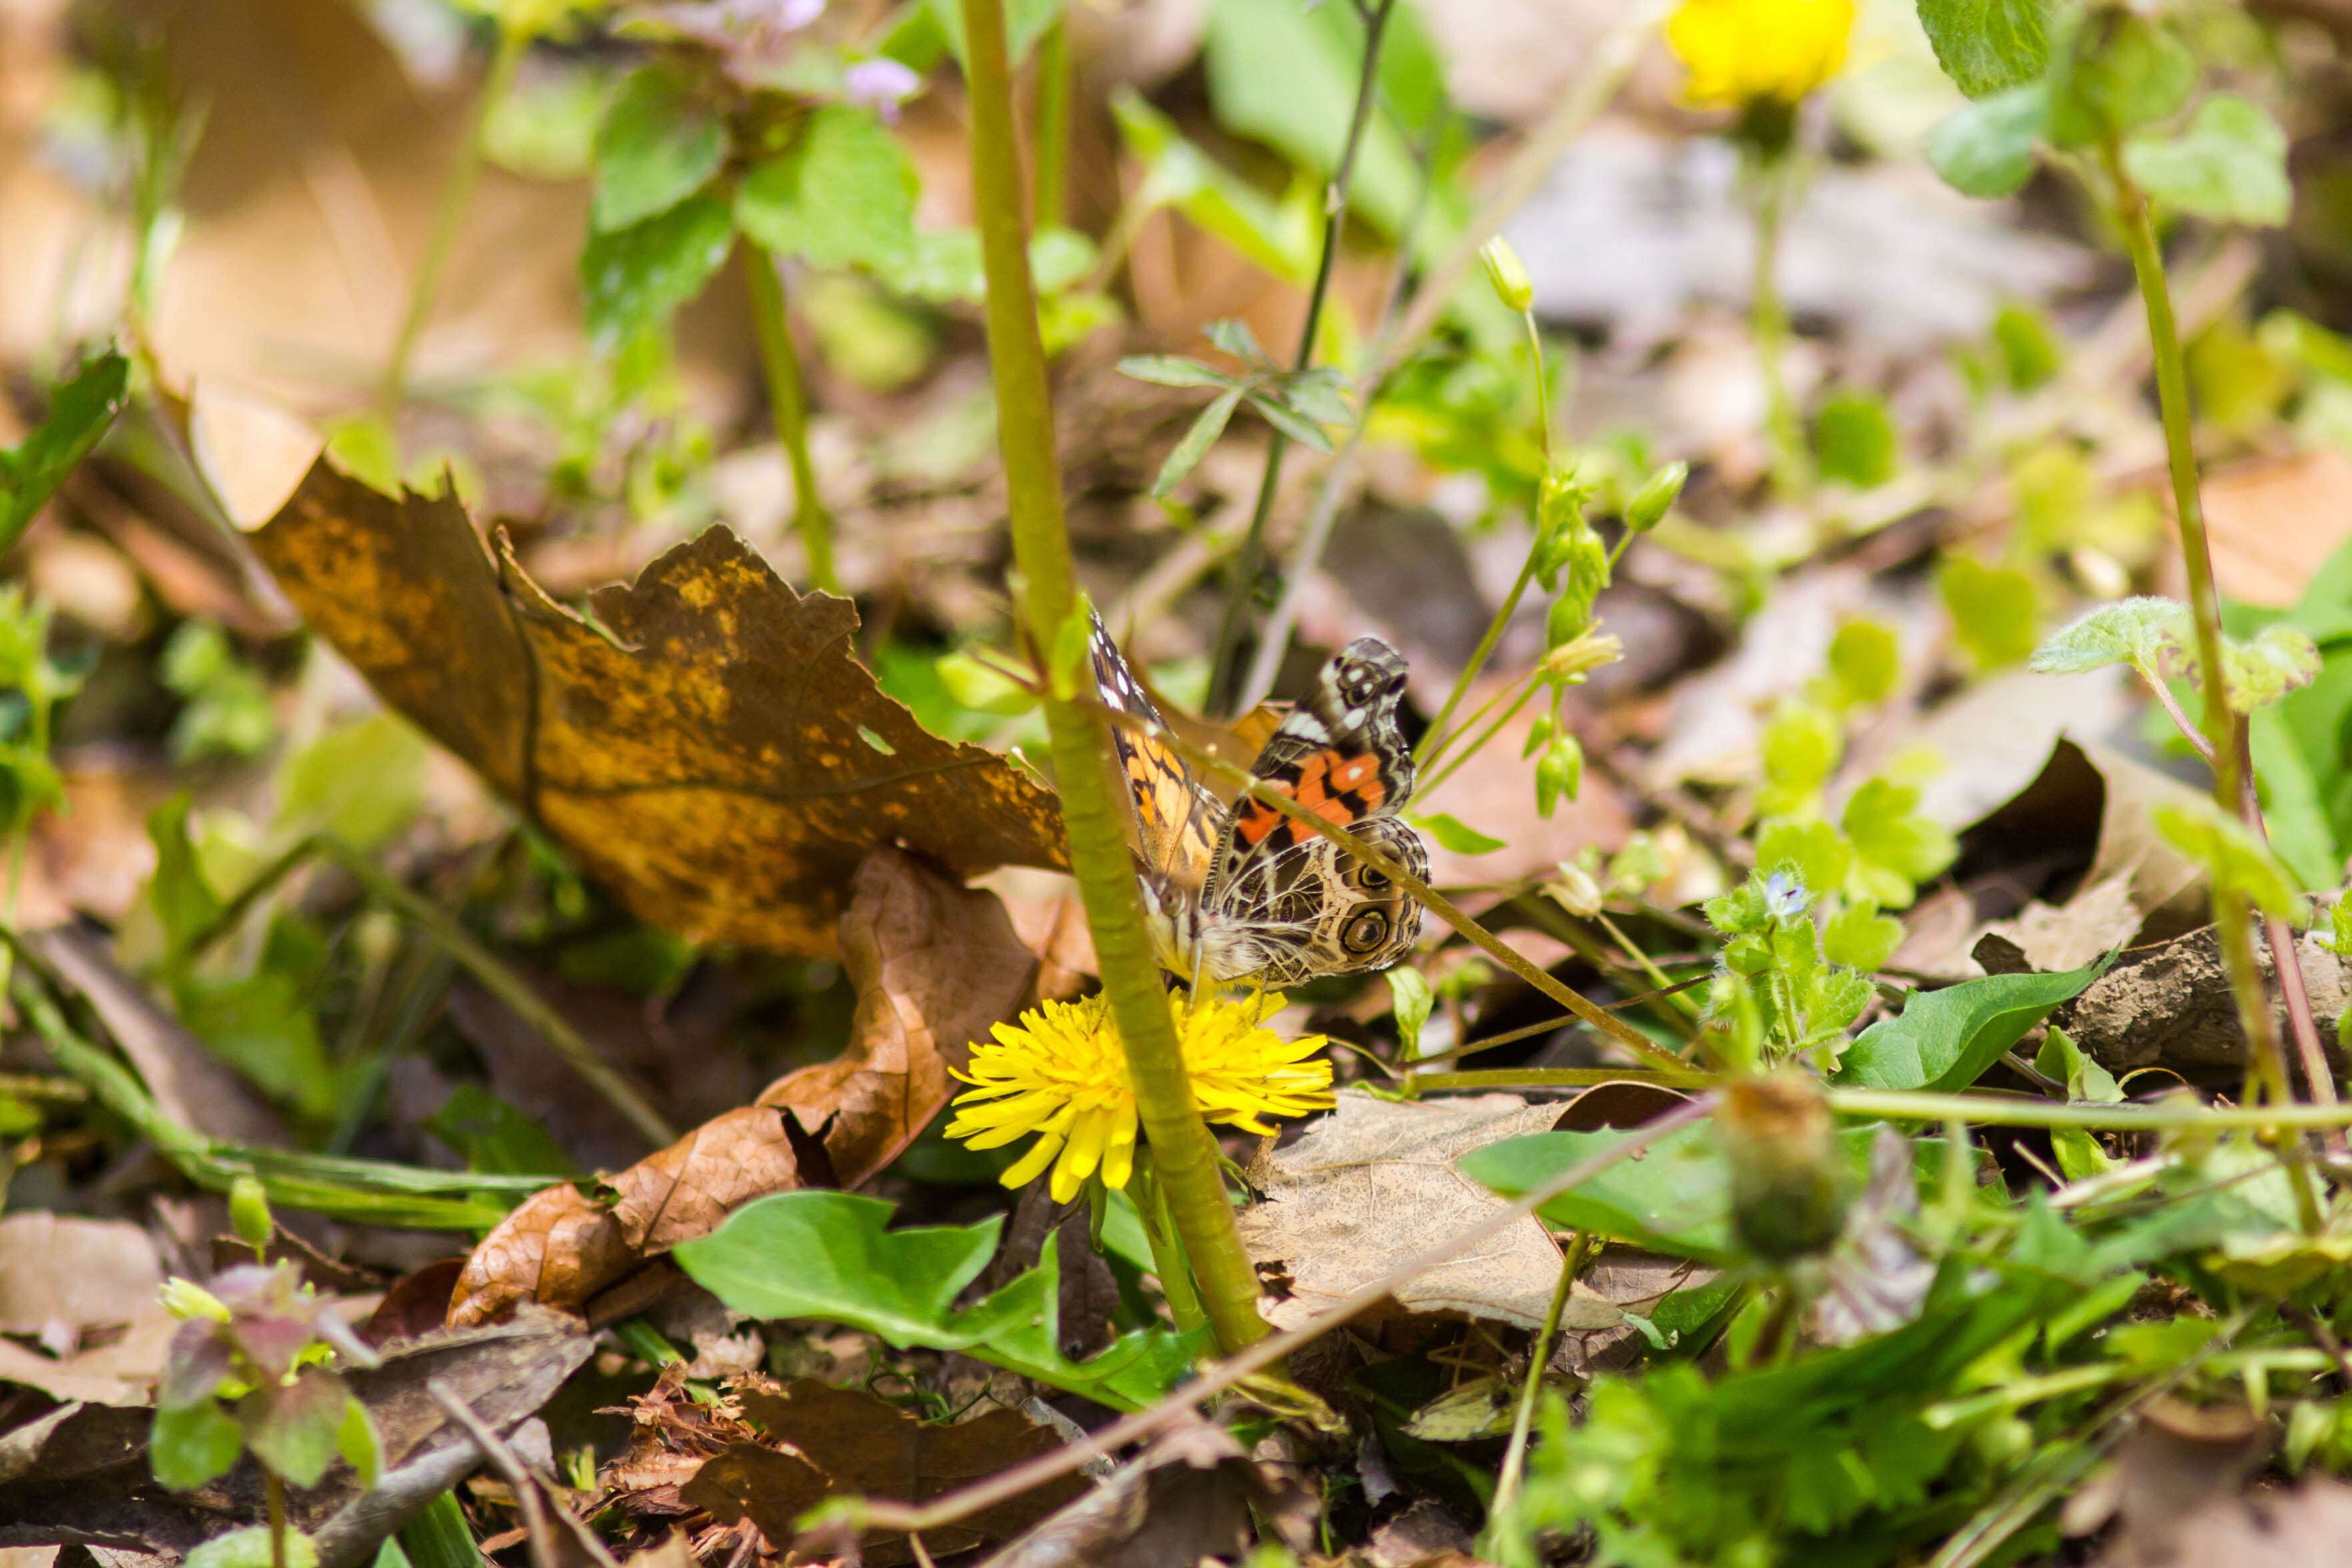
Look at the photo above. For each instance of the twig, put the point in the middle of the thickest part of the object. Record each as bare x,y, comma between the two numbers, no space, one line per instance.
1265,1353
529,1496
1278,445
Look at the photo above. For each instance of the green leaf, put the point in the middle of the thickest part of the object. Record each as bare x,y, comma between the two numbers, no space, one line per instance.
1993,610
634,279
262,1025
1290,421
1457,835
1944,1040
356,1441
1986,147
1865,657
1860,937
657,145
2115,72
1800,747
2135,631
2229,851
1173,370
294,1428
250,1547
1278,237
1410,992
490,1134
184,901
830,1256
1853,440
1986,45
361,782
1675,1197
1196,442
2263,670
2030,350
80,412
2229,165
192,1444
842,195
1814,849
1895,847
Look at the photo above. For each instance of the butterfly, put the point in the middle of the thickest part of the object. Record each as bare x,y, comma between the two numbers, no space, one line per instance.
1243,892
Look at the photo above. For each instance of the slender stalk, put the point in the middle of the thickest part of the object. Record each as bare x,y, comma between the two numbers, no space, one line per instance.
780,362
449,217
1515,1457
1184,1157
2004,1111
275,1485
2266,1063
1434,739
1050,152
1772,324
1223,670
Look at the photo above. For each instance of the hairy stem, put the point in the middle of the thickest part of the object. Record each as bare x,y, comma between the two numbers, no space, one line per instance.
1183,1155
2266,1063
780,363
1223,669
449,216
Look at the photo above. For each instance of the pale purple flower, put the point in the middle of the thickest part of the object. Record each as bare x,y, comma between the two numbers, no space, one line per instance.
1785,896
881,84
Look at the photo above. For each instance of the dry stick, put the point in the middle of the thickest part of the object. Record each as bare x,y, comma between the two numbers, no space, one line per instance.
1429,898
1335,218
1610,64
537,1528
1062,1461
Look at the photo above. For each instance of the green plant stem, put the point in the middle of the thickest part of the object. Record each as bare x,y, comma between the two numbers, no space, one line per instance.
780,362
449,216
1050,152
277,1491
1515,1457
515,993
1167,1248
1184,1156
2266,1063
1771,327
1204,762
1225,670
2003,1110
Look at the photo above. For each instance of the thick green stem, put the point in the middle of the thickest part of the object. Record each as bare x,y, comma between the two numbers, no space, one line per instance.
2266,1063
780,362
1772,325
449,217
1183,1155
1051,153
1225,670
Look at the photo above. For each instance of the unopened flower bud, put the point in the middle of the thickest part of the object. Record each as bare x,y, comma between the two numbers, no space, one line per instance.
248,1212
1539,734
1787,1199
1508,274
186,1299
1559,774
1654,500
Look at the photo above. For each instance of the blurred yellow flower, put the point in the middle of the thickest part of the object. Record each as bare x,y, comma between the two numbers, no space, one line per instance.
1742,52
1061,1073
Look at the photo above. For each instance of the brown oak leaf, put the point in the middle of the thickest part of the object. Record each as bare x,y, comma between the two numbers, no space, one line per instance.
934,964
707,744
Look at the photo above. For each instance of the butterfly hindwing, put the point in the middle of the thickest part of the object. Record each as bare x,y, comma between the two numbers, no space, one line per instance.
1175,819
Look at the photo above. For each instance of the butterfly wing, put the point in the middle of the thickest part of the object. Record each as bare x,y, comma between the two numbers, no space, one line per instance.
1175,818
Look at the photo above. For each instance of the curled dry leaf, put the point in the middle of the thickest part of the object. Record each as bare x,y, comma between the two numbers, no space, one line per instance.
706,745
823,1442
934,964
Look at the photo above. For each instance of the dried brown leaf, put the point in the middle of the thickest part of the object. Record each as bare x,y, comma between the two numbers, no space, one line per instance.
934,964
707,744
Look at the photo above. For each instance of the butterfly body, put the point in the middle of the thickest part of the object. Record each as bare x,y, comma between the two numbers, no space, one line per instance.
1245,893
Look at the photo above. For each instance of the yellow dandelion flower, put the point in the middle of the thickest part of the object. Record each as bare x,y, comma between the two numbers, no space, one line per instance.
1061,1073
1742,52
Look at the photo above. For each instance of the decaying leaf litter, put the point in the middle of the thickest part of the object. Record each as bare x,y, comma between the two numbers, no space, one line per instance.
540,560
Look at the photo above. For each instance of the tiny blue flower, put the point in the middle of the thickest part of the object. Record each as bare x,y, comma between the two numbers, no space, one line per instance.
1785,895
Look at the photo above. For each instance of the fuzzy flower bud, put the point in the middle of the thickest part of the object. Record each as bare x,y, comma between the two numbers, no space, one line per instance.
1654,500
1787,1199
